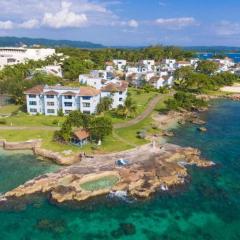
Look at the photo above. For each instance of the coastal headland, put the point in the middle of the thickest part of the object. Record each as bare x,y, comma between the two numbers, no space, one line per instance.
152,167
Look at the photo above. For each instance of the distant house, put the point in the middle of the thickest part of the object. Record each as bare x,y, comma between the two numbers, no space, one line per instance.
55,70
183,64
117,91
163,81
120,63
148,63
80,137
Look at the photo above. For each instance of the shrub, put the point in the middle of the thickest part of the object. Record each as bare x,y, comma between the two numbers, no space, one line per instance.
3,121
55,122
60,113
141,134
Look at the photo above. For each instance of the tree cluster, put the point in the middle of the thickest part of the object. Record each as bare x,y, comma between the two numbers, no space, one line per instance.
98,127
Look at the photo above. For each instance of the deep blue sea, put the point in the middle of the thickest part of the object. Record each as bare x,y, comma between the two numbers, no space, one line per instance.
206,208
234,56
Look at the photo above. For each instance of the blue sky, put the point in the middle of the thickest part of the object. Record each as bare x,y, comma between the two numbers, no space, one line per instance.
125,22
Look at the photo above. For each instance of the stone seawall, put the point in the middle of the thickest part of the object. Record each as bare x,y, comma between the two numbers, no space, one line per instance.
56,157
35,146
28,145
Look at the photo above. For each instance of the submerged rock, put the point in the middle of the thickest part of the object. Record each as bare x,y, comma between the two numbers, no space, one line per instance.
202,129
56,226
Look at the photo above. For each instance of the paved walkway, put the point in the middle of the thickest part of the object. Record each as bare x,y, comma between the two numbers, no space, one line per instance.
29,128
151,105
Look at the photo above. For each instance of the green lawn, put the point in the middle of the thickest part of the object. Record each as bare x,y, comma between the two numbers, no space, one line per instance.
110,144
9,109
23,119
141,98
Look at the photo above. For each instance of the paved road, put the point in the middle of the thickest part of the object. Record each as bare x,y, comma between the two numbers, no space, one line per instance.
151,105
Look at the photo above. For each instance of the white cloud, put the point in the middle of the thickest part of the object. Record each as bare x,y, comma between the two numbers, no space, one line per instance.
175,23
6,25
61,14
64,18
227,28
29,24
133,23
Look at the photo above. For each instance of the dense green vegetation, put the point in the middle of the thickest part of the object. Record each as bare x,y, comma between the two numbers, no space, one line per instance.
16,41
14,80
98,127
190,81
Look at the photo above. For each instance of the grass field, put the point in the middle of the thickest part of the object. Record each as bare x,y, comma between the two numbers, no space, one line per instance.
141,98
110,144
9,109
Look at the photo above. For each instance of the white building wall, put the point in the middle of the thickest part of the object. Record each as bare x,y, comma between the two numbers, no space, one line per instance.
93,82
37,107
11,55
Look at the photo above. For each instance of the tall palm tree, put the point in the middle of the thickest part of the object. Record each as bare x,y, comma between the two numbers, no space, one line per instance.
129,107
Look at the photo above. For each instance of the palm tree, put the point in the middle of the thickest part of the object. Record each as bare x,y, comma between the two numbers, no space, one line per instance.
129,107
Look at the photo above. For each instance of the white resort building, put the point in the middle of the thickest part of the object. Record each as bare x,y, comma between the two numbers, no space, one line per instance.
16,55
50,100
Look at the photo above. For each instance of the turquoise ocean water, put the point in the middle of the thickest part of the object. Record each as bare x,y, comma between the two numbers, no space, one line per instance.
206,208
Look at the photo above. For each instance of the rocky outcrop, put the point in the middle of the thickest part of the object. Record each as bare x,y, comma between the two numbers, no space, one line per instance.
56,157
35,146
165,168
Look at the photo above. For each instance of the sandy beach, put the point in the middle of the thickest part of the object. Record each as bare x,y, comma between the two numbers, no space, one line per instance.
231,89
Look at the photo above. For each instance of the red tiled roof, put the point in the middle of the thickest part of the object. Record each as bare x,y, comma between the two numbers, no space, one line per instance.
34,90
88,91
69,93
81,134
115,87
51,93
183,62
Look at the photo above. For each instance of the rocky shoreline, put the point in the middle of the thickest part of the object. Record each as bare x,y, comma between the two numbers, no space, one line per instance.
151,168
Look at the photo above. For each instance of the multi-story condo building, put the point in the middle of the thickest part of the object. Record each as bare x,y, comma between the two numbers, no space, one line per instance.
49,100
14,55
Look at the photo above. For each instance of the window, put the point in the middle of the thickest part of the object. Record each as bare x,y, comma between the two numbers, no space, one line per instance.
86,104
68,104
50,96
33,103
68,97
67,111
120,93
50,111
86,98
32,96
86,112
50,103
120,99
33,110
